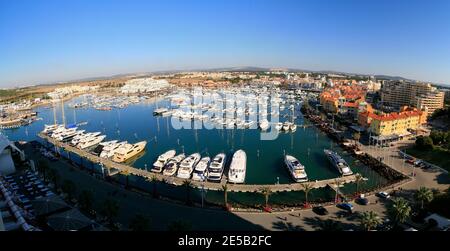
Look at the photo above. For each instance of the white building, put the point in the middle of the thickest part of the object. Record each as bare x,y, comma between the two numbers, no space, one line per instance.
144,85
6,162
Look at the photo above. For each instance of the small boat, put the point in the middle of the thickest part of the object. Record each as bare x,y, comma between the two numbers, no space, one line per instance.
295,168
238,167
279,126
187,166
201,169
215,169
162,160
172,165
338,162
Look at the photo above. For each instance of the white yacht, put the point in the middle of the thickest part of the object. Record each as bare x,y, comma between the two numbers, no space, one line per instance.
108,143
83,138
338,162
286,126
128,151
264,124
69,135
187,166
279,126
238,167
63,132
95,140
215,169
162,160
110,150
51,128
295,168
172,165
201,169
293,127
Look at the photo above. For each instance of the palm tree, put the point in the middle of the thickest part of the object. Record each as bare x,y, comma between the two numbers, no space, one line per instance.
139,223
85,200
188,185
399,210
370,220
423,195
358,179
337,183
307,187
330,225
69,187
154,181
356,136
225,194
266,192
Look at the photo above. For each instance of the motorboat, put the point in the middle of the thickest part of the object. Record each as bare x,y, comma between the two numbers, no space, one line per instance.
295,168
264,124
215,169
187,166
162,160
172,165
238,167
92,141
128,151
201,169
338,162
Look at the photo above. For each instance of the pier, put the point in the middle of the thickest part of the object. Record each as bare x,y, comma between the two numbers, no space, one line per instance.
126,169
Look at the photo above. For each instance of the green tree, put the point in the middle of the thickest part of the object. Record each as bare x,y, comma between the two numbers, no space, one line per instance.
69,188
399,210
330,225
307,187
356,136
225,194
140,223
423,195
370,220
424,143
85,200
110,210
266,192
358,179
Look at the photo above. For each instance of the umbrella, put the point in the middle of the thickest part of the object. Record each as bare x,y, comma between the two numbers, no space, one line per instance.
70,220
48,205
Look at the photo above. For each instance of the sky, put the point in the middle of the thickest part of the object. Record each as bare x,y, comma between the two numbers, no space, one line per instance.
43,41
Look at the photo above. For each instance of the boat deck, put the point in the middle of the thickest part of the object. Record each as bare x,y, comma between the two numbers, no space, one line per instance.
126,169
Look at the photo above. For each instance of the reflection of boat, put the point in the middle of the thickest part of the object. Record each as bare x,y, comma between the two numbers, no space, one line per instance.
238,167
215,169
201,169
128,151
295,168
338,162
172,165
187,166
162,160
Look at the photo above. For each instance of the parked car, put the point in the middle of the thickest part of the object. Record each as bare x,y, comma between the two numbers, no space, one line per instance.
346,206
320,210
383,195
362,201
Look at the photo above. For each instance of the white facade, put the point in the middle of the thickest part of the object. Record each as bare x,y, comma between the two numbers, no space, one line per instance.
144,85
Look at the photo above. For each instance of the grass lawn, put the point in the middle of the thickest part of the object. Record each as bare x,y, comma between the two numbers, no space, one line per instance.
437,156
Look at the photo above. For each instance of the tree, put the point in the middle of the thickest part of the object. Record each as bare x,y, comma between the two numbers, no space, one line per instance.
337,183
225,194
43,168
399,210
110,210
140,223
424,143
370,220
266,192
438,137
69,188
423,195
330,225
154,181
85,200
54,177
358,179
307,187
188,185
356,136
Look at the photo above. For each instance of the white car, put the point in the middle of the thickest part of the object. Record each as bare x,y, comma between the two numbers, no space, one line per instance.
383,195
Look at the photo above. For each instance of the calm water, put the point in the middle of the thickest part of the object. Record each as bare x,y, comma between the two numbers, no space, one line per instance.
264,158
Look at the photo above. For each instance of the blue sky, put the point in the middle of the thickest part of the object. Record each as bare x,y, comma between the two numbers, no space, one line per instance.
56,40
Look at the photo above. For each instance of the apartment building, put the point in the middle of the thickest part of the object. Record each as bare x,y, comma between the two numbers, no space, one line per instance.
420,95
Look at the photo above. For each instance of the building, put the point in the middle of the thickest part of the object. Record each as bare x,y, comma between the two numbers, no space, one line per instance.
144,85
394,123
7,166
344,99
419,95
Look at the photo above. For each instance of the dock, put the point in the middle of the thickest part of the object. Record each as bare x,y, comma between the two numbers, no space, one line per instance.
126,169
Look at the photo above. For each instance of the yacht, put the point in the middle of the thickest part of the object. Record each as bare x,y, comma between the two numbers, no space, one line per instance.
162,160
293,127
51,128
172,165
338,162
264,125
279,126
286,126
108,151
295,168
187,166
63,132
201,169
69,135
215,169
108,143
128,151
92,141
83,138
238,167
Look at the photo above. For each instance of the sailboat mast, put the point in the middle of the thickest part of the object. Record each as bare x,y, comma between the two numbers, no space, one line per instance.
54,112
62,112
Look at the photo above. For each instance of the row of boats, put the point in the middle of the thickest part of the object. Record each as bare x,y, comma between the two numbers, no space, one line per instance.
202,169
113,149
298,172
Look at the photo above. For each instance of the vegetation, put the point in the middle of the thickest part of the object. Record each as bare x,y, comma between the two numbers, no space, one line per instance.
43,168
433,148
399,211
330,225
85,200
359,179
140,223
356,136
225,194
424,143
154,181
110,210
306,188
370,220
266,192
69,188
188,185
440,203
423,195
179,226
54,177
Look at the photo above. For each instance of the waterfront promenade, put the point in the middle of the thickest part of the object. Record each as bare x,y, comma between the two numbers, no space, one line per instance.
126,169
